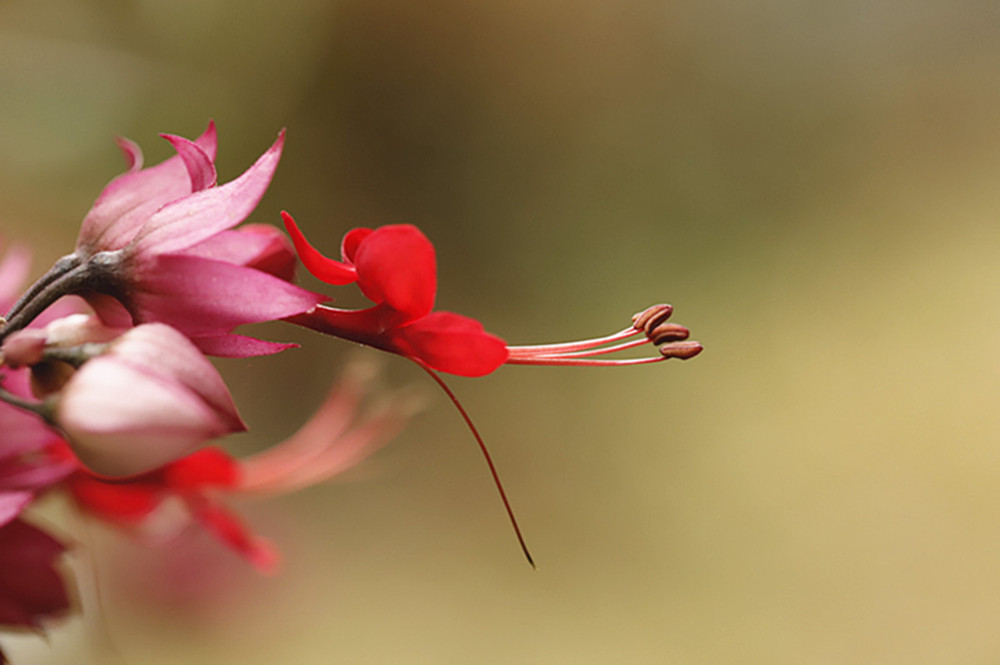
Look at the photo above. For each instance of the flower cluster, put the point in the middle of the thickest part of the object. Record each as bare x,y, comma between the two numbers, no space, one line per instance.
107,396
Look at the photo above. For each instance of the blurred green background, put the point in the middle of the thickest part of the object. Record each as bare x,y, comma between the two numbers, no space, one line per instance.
811,184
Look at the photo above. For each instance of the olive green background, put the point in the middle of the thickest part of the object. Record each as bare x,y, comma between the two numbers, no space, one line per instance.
813,185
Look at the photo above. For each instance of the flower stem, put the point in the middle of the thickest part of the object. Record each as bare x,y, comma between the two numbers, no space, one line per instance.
68,276
41,409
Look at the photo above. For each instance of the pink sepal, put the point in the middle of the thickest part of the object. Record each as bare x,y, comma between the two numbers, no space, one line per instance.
239,346
186,222
259,246
199,165
128,201
11,505
203,297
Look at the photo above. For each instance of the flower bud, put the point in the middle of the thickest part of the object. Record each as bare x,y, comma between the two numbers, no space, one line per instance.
150,398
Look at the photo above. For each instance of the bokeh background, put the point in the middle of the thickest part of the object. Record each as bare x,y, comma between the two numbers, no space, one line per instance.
813,185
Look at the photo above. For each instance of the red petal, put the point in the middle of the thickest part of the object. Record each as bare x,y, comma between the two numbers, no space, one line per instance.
228,528
322,268
208,466
453,343
122,503
349,245
396,266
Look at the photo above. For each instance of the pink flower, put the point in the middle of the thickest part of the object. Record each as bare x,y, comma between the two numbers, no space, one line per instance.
31,589
394,266
330,443
158,246
149,398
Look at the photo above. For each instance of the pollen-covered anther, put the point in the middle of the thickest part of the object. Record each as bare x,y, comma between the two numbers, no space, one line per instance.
667,332
681,350
651,317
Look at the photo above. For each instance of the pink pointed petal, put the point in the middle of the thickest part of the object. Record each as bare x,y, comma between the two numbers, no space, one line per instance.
121,421
204,297
13,272
208,141
239,346
129,200
199,165
259,246
321,267
132,153
453,343
11,505
396,266
201,215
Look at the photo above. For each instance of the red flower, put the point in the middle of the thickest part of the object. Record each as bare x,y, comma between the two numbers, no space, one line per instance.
329,443
394,266
194,480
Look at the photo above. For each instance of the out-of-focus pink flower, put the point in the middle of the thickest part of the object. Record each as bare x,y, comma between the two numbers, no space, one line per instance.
394,266
31,590
149,398
159,246
328,444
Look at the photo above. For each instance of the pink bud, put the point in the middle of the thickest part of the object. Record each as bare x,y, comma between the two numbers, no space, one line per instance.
151,398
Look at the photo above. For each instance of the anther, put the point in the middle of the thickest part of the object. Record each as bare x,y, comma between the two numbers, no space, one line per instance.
651,317
681,350
668,332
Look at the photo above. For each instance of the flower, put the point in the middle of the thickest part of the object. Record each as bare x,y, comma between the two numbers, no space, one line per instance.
149,397
331,442
394,266
150,251
31,589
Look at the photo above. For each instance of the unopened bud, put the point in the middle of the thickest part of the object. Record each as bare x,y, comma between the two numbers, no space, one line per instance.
25,347
151,398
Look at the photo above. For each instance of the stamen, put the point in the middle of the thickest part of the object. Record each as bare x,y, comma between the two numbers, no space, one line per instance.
651,323
651,317
546,349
